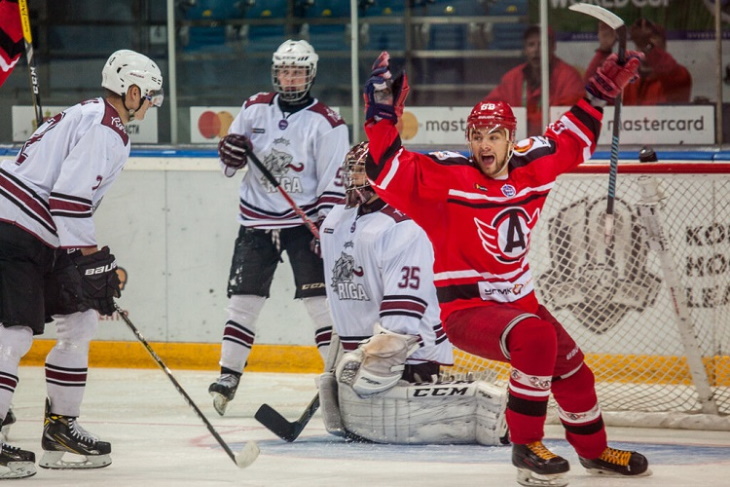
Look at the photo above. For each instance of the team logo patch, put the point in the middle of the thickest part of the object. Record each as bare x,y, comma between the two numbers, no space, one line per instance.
508,190
344,273
523,145
283,124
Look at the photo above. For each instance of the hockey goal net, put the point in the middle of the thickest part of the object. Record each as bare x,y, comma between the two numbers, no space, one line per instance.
651,308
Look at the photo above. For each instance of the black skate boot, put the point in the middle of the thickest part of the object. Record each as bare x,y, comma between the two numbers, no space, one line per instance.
223,390
538,466
16,463
63,434
8,421
616,463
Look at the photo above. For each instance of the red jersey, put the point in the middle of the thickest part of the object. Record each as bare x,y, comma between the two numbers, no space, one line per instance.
480,227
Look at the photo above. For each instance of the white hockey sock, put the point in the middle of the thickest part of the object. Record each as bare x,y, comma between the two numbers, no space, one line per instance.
240,330
15,341
67,364
319,311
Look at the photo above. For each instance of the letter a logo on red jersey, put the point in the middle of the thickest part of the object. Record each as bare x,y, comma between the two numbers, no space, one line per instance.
507,237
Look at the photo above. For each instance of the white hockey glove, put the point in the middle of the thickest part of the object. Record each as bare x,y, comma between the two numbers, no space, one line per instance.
377,364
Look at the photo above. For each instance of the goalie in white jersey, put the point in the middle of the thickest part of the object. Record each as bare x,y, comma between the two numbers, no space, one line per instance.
378,270
301,142
50,263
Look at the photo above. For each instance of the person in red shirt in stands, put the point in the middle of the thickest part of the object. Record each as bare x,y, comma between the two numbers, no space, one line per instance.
521,86
662,80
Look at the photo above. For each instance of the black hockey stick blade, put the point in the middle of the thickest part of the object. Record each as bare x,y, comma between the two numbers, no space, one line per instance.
282,427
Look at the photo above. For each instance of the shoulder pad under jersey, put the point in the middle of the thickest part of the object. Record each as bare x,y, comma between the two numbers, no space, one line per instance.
332,116
263,97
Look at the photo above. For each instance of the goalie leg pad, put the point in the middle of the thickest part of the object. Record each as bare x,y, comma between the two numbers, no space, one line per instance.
443,413
329,405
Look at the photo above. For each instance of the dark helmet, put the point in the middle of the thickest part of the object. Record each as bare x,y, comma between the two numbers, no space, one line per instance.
492,114
360,192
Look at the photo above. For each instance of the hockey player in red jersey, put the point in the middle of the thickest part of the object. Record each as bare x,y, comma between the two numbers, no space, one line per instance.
51,267
479,212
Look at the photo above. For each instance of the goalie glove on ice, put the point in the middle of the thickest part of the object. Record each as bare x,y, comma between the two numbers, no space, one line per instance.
378,363
611,78
384,95
233,150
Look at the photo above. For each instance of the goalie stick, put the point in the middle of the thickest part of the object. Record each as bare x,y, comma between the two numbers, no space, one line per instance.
290,430
30,57
657,240
250,450
270,177
617,24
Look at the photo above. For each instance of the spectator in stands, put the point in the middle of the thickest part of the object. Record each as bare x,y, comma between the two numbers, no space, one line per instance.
662,80
522,86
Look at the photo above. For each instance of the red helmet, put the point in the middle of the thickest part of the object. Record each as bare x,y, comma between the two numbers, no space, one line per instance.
492,114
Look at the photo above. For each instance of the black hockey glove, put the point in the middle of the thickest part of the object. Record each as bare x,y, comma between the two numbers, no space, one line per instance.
99,280
315,245
384,95
233,150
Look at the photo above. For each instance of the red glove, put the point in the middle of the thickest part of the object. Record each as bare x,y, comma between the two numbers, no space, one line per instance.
233,149
611,78
384,95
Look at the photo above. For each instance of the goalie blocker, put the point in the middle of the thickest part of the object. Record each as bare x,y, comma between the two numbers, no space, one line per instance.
459,412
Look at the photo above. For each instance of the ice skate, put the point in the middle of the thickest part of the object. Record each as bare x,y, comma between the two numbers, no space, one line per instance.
538,466
62,435
16,463
615,462
8,421
223,391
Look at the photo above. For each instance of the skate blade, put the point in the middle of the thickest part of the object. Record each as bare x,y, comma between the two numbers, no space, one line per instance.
17,470
599,472
55,461
529,478
220,403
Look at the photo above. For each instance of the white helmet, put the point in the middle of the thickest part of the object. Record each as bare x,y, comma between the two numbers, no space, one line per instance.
125,68
297,54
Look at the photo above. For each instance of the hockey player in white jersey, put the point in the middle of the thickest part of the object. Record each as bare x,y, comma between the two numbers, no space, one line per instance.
301,141
51,266
386,387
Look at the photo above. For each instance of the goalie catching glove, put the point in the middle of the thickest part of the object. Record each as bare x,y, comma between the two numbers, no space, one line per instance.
378,363
384,95
233,150
611,78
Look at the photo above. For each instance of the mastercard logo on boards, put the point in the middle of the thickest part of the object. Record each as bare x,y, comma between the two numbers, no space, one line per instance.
212,124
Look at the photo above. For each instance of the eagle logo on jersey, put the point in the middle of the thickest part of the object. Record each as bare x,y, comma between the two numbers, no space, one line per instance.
507,237
343,276
279,163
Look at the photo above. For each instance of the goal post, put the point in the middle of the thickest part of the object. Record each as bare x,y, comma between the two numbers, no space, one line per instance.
651,309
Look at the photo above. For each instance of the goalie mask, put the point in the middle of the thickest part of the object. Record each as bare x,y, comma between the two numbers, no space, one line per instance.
293,69
357,186
125,68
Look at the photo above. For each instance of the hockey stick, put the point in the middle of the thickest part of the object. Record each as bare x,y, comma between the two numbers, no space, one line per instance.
617,24
282,427
30,57
250,450
290,430
270,177
657,240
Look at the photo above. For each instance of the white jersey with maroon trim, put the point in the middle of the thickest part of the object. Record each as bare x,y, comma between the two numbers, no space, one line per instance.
378,268
62,172
303,150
